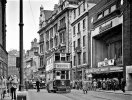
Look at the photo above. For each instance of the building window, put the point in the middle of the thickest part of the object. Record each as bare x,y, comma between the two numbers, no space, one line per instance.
47,35
47,45
41,48
100,15
79,59
56,40
106,12
74,45
78,27
55,29
41,38
113,8
62,37
84,26
51,43
79,10
51,32
74,13
41,61
84,57
74,61
83,6
84,41
74,29
79,43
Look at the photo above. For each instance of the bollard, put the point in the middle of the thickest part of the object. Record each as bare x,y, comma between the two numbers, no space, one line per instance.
22,95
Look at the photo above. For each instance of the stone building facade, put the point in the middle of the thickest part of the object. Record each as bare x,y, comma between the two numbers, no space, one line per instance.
80,39
3,52
31,61
55,29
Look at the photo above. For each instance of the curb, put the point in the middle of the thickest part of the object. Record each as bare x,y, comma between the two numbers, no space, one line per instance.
114,92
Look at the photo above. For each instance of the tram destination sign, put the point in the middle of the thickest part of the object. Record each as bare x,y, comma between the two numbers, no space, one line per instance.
62,65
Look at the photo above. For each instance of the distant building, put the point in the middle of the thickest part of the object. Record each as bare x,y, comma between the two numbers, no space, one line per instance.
31,61
12,68
3,52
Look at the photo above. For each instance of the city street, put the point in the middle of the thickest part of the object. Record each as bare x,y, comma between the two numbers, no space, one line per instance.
76,95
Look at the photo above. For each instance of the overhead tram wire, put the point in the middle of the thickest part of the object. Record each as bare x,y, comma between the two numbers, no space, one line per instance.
32,13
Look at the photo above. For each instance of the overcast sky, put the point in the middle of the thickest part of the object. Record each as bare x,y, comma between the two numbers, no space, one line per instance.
31,14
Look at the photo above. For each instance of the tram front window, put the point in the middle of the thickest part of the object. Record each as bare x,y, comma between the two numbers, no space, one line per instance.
62,74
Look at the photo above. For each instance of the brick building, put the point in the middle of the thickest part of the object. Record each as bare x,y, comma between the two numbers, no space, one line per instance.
80,39
3,52
109,26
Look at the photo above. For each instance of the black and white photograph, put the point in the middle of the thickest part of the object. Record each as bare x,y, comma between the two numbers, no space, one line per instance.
65,50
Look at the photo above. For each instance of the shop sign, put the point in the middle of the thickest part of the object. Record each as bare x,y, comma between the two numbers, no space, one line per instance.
106,63
62,65
105,26
104,69
116,68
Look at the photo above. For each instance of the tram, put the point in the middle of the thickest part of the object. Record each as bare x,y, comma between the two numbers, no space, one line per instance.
58,72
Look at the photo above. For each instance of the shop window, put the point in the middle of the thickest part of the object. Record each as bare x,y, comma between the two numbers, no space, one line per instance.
106,12
113,8
100,15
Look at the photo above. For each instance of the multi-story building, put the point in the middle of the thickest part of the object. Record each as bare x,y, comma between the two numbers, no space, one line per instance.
3,52
55,29
31,61
12,68
80,39
109,25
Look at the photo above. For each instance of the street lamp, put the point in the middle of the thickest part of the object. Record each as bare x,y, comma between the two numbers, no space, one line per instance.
21,45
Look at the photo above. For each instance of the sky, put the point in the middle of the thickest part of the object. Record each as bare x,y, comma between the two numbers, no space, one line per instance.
31,12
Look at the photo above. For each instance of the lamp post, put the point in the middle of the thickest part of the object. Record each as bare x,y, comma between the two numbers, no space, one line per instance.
21,45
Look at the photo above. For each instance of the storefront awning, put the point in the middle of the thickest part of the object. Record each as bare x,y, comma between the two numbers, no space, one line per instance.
104,70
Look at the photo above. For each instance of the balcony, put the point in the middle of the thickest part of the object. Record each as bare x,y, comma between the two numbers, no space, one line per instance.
78,49
62,26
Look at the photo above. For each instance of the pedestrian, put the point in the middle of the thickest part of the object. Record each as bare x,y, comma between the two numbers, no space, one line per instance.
38,85
14,83
85,87
94,85
123,84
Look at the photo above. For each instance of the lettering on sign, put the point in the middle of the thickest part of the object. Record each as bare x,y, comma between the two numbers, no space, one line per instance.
104,27
62,65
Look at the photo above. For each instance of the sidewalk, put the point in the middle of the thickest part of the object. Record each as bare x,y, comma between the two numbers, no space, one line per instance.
111,91
116,92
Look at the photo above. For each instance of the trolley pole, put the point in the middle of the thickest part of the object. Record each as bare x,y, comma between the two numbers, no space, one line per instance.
21,45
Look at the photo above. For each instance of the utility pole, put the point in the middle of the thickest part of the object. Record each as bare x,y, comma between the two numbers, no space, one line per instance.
21,45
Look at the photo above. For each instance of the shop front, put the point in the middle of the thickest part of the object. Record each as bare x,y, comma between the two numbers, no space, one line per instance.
104,73
129,78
